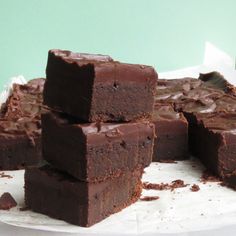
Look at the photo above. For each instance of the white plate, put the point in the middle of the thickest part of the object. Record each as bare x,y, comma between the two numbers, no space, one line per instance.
180,210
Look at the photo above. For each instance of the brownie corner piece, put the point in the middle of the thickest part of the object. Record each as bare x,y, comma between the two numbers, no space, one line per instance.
93,89
63,197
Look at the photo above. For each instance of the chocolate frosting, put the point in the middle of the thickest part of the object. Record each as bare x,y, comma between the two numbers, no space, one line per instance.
73,57
106,70
210,93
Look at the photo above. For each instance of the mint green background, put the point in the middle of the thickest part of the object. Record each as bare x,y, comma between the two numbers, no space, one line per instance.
167,34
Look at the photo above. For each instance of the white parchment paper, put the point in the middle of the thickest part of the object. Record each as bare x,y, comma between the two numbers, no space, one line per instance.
179,211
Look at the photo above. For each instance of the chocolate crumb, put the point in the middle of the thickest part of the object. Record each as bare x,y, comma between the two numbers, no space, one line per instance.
160,186
165,186
7,201
168,161
149,198
177,184
3,175
209,177
195,188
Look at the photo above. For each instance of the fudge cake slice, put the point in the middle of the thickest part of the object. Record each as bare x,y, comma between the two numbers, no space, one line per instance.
171,141
97,88
63,197
94,151
20,126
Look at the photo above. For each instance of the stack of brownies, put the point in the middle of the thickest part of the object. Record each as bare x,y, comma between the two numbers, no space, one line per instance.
96,137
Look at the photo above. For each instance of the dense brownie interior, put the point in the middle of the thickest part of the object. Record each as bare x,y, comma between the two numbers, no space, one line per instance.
171,142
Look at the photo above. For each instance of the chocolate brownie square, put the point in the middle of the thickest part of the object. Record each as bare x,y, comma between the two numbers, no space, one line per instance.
63,197
94,151
96,88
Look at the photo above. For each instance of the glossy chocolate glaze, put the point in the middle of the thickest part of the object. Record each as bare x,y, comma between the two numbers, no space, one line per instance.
210,93
77,57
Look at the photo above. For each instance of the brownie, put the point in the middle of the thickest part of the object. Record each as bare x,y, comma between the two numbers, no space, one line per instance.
24,101
63,197
20,126
171,142
215,141
171,126
96,88
94,151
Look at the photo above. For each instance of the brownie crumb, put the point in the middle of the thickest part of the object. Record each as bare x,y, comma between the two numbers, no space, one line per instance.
3,175
149,198
7,201
165,186
209,177
167,161
177,184
160,186
195,188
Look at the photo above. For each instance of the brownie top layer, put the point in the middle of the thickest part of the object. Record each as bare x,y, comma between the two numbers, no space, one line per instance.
165,112
25,101
21,114
98,131
24,126
210,93
73,57
173,89
219,122
105,68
